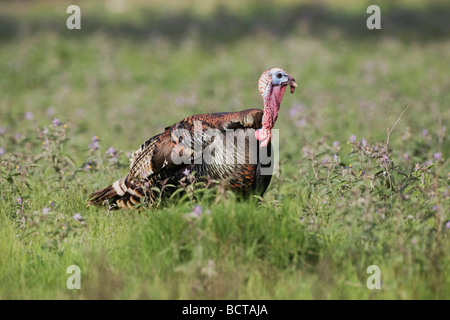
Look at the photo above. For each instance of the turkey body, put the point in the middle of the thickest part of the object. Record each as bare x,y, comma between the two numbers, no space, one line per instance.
232,148
217,147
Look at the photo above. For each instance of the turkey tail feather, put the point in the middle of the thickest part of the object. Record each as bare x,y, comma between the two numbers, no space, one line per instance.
97,198
121,193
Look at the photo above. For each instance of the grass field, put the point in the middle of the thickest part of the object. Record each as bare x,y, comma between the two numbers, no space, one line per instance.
343,200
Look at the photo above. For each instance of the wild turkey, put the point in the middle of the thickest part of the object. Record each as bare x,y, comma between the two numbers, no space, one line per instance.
226,147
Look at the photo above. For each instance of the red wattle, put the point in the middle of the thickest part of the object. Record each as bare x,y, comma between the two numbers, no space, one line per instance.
271,108
264,136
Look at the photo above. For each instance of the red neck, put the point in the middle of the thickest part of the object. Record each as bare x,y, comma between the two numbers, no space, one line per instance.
272,106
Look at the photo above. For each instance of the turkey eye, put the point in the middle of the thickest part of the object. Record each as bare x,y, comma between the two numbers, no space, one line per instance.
279,76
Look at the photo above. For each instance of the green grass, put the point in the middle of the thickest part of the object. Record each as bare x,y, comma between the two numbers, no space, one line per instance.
126,75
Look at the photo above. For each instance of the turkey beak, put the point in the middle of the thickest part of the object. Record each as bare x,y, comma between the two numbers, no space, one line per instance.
292,83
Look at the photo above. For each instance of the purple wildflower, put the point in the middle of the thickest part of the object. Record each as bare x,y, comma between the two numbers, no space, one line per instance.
87,167
335,157
425,132
2,130
29,116
406,156
77,217
94,145
437,155
363,142
336,144
111,151
56,122
186,172
352,138
293,112
301,122
324,160
19,200
45,210
128,154
2,151
417,166
52,203
447,225
197,211
112,154
385,158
